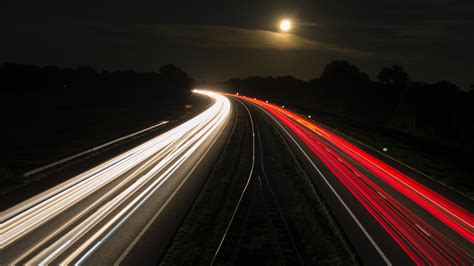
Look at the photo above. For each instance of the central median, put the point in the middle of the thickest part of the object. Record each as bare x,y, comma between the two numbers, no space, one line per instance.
317,236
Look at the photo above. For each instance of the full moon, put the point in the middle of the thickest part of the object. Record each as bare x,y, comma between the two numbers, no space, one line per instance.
285,25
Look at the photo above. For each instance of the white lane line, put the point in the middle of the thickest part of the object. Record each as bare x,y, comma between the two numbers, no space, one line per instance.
423,230
381,195
359,224
91,150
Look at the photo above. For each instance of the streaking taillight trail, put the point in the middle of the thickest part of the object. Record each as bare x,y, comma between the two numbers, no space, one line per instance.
419,239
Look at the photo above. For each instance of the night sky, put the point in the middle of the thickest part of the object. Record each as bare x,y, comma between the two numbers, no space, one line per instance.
216,40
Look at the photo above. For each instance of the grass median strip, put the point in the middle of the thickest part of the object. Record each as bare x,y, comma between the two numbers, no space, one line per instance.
317,236
198,237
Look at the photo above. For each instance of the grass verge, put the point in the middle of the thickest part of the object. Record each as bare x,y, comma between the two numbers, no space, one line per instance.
317,236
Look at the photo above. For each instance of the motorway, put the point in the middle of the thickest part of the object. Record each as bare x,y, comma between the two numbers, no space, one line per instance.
388,216
128,207
103,215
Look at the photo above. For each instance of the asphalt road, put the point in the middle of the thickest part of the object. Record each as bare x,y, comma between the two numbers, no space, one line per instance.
388,216
114,212
127,209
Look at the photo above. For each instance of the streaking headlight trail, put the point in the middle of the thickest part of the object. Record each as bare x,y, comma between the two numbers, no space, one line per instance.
113,191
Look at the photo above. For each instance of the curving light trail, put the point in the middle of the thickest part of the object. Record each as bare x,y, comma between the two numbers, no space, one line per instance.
113,191
422,241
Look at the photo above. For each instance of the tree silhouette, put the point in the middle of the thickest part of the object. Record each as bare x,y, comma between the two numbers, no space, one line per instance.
438,111
343,84
397,78
394,75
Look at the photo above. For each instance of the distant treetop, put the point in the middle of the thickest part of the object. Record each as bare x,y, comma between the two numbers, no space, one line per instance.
394,75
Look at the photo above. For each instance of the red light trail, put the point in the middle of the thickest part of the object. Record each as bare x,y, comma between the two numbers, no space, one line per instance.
420,240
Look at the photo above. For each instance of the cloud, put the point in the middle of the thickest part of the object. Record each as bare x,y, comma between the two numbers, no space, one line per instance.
309,24
230,37
433,31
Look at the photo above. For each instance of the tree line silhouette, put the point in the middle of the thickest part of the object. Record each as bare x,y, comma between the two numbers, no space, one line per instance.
51,112
18,79
437,111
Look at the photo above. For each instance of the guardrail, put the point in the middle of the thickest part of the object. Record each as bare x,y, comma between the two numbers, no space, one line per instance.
34,171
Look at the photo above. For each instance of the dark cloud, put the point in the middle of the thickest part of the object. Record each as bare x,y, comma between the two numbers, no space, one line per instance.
231,37
432,38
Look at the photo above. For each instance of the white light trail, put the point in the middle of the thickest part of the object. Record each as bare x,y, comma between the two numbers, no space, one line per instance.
131,177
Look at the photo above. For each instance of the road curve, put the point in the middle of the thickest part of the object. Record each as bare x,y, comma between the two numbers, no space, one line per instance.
105,215
80,220
388,216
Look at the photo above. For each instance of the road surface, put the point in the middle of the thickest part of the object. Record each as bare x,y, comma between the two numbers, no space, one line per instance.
129,207
103,215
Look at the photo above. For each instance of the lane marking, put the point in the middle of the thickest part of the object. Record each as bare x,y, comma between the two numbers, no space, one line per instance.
423,230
